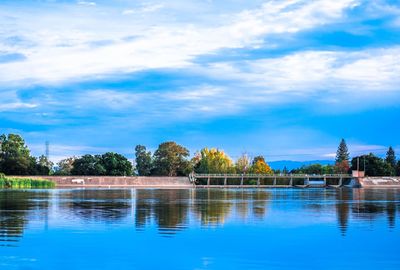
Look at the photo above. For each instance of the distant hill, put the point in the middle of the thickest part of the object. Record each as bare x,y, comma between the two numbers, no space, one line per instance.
290,164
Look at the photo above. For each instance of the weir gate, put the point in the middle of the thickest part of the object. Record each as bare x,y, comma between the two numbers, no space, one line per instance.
275,181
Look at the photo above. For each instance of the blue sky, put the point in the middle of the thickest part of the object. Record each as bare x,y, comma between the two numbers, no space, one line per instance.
285,79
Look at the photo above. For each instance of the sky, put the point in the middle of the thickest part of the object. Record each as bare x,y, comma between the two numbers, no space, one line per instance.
283,79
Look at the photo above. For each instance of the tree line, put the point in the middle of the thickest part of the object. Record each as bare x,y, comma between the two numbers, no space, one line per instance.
370,163
172,159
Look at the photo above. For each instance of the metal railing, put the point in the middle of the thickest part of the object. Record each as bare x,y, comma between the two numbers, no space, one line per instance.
201,175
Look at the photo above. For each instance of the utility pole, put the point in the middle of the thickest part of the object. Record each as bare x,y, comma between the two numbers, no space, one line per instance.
364,165
358,164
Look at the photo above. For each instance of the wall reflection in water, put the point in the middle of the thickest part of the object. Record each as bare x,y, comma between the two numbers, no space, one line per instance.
173,210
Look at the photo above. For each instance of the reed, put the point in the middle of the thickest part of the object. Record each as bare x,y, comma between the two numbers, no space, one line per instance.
15,183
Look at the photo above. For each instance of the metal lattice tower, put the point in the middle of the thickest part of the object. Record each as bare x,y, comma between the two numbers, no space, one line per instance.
47,150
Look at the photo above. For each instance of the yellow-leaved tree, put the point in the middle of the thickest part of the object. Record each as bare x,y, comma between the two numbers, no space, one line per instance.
212,161
259,166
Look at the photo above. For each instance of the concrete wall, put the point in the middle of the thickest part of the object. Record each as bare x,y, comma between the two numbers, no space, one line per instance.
380,182
117,181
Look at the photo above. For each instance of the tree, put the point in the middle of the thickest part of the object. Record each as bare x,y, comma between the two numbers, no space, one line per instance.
259,166
107,164
342,158
342,167
258,158
314,169
88,165
391,160
170,159
41,166
15,156
374,166
65,166
116,164
243,164
143,160
342,153
212,161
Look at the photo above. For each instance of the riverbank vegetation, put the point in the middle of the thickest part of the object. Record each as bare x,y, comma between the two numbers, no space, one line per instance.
13,182
172,159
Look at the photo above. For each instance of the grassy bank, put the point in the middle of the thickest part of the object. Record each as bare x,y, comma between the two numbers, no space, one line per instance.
9,182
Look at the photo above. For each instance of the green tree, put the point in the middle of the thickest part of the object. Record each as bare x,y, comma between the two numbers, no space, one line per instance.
65,166
212,161
15,156
374,166
314,169
88,165
41,166
391,160
143,160
342,158
342,153
170,159
116,164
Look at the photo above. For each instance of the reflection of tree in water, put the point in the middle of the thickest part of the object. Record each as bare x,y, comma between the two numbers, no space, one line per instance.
14,212
315,199
213,206
259,200
171,210
241,200
144,201
391,209
168,207
372,203
99,205
250,200
343,199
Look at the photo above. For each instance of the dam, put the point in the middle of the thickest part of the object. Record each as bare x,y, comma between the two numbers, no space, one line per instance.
224,181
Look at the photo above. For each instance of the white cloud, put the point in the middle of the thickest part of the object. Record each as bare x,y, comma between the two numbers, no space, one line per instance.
144,8
159,44
12,106
330,155
128,11
105,99
373,70
363,149
86,3
9,101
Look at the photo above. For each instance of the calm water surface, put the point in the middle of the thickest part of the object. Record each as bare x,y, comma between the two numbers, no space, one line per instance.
199,229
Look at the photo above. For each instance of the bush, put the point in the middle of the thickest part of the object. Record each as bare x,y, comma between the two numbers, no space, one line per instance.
6,182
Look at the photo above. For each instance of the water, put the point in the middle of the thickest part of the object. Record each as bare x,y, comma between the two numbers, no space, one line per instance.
199,229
